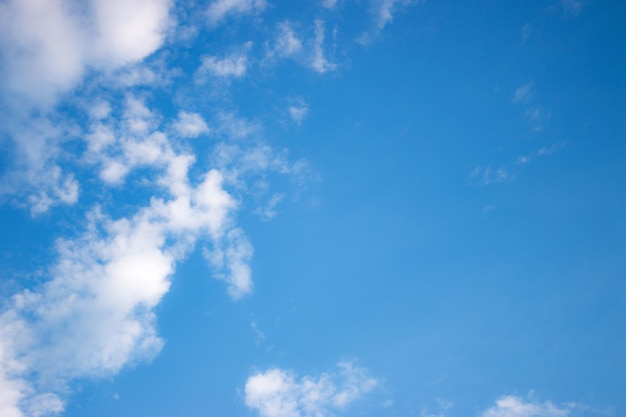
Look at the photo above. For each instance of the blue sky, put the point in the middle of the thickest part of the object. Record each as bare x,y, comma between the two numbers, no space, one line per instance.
312,209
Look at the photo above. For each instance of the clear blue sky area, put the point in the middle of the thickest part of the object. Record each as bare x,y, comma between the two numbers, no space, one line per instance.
258,208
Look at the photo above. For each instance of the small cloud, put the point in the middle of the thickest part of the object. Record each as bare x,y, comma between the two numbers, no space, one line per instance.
230,259
329,4
443,406
298,110
524,93
488,175
279,393
232,66
268,211
538,117
219,10
190,125
535,113
287,42
513,406
116,396
509,172
259,335
382,13
319,62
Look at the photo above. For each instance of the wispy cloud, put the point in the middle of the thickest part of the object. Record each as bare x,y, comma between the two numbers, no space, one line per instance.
443,406
382,12
514,406
234,65
527,29
524,93
298,110
286,44
319,61
259,336
220,10
536,114
486,175
572,7
279,393
329,4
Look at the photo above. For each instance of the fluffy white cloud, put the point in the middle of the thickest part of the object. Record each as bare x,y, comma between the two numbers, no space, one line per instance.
278,393
95,314
46,48
221,9
48,45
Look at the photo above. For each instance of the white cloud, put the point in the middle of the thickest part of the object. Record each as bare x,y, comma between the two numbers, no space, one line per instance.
230,260
278,393
95,315
329,4
36,176
48,45
298,110
190,125
127,31
232,66
512,406
287,42
219,10
319,62
382,12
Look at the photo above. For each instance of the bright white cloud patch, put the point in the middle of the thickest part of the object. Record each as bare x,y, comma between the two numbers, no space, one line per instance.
279,393
48,45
